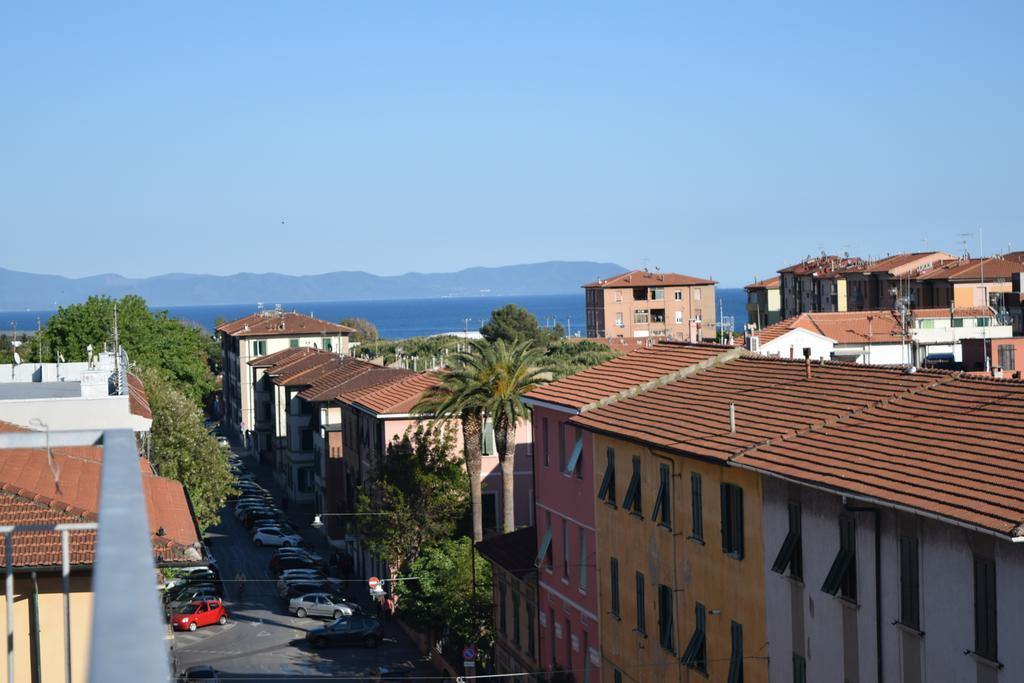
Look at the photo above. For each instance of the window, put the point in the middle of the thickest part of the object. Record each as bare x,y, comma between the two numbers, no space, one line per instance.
985,636
487,438
561,446
679,317
619,322
554,635
958,322
641,316
842,577
575,464
666,626
489,503
910,587
632,500
982,322
736,658
641,611
544,441
501,607
565,549
790,557
607,490
1006,357
327,344
568,644
583,559
799,669
696,654
613,576
696,295
616,676
732,520
697,507
307,439
662,513
657,293
515,616
293,343
529,628
679,295
618,296
259,348
544,553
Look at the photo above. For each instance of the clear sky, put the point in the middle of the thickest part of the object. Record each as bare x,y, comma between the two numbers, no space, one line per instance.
715,138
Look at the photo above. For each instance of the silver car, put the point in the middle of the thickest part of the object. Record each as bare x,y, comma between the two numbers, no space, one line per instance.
320,605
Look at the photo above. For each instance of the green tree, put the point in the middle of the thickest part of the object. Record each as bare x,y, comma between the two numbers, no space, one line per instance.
363,330
570,356
515,323
441,600
417,498
180,352
182,449
512,369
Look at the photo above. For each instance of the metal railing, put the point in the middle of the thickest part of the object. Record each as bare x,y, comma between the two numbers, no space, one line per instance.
128,629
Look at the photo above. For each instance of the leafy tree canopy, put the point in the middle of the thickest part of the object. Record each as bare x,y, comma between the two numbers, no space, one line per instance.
514,323
181,448
569,357
363,330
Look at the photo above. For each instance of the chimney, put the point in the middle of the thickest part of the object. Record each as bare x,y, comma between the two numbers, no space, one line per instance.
807,361
732,418
997,372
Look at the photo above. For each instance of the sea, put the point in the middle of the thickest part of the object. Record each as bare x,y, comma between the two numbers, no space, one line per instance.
402,318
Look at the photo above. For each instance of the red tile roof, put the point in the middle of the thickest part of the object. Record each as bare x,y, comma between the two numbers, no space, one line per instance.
971,269
970,312
33,492
770,283
282,356
772,398
280,324
848,327
327,386
398,396
953,448
824,265
138,402
897,263
646,278
588,387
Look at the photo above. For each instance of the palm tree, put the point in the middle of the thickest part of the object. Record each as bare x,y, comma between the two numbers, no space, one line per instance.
463,394
511,369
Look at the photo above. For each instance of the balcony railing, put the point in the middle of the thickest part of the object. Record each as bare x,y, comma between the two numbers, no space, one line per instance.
123,583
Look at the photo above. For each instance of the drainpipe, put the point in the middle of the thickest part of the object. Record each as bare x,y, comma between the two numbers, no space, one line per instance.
878,583
33,630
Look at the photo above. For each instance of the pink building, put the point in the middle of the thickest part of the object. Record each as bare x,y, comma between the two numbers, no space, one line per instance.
568,604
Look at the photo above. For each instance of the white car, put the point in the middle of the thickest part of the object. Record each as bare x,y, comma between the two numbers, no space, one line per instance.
272,536
221,441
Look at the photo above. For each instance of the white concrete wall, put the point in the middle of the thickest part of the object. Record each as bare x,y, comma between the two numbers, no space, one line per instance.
792,345
107,412
874,354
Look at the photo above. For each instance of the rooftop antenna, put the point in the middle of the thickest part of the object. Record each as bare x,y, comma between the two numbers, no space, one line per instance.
117,346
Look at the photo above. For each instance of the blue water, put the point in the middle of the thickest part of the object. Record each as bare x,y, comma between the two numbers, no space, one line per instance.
400,318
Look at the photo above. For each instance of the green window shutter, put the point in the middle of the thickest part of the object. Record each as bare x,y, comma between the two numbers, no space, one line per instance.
799,669
666,616
641,609
737,520
293,343
736,659
614,580
576,451
697,505
661,513
632,500
544,544
985,633
487,438
789,555
910,610
726,523
696,655
583,559
607,490
841,578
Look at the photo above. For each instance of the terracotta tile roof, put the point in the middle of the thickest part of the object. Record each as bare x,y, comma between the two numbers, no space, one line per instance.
303,370
138,402
10,427
646,278
971,269
824,265
897,263
29,491
969,312
514,552
770,283
329,385
772,397
590,386
283,324
398,396
283,356
952,449
847,327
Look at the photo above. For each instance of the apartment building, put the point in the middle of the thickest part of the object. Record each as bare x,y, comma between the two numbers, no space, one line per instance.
262,333
967,282
867,337
880,284
1005,355
938,334
764,302
816,284
568,608
642,303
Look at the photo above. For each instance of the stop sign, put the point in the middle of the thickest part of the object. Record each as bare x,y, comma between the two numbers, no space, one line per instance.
374,583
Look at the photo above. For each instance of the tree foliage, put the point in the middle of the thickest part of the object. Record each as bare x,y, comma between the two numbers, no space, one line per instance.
514,323
363,330
421,489
441,599
181,448
180,352
569,357
414,352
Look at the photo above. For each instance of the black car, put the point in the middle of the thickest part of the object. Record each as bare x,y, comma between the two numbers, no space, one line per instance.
355,629
183,593
201,593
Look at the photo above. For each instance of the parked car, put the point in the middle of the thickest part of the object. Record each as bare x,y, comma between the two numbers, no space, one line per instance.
199,613
199,673
295,589
346,630
222,441
207,592
321,605
185,575
303,574
254,518
304,551
270,535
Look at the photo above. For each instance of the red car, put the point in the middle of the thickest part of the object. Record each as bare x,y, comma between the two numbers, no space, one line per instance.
200,613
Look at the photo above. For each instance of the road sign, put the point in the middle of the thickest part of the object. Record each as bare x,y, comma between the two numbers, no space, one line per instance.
374,583
469,653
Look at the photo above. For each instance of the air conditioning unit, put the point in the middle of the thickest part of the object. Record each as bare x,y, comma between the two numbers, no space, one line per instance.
754,344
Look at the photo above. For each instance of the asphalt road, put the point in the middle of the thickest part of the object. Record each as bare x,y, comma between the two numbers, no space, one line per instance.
262,641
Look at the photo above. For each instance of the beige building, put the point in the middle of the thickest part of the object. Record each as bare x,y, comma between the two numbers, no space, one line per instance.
764,302
260,334
642,303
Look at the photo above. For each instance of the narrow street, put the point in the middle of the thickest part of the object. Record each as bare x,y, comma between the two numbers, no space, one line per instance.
262,640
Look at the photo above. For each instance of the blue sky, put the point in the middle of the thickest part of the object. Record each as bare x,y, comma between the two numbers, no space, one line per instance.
722,139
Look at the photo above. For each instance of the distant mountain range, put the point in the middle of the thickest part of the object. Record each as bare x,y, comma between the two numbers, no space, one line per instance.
20,291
